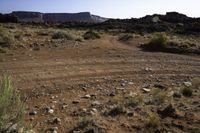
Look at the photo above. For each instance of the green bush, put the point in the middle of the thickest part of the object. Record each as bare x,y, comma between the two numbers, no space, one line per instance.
91,35
11,106
62,35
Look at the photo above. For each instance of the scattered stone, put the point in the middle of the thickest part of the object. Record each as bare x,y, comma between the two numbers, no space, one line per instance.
64,106
146,90
49,110
96,103
123,84
12,129
160,86
56,120
187,84
30,131
75,102
177,94
86,96
130,114
33,113
76,131
94,111
112,94
120,88
52,129
130,83
148,69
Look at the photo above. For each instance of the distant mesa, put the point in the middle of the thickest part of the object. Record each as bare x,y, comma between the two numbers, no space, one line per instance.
25,16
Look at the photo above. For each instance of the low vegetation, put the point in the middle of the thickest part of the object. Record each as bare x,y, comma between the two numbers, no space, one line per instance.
6,38
159,96
187,91
116,110
157,42
125,37
62,35
161,42
11,106
91,35
153,121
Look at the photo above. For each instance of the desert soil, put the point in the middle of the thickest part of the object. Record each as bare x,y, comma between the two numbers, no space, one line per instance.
62,75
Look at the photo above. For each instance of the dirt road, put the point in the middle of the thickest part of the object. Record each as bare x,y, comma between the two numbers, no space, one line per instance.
62,71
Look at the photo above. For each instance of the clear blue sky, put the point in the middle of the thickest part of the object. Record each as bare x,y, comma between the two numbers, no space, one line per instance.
105,8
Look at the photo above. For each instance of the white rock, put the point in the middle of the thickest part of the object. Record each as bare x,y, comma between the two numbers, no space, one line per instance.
146,90
187,84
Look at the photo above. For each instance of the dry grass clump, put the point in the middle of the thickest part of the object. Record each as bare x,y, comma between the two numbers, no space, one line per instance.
11,106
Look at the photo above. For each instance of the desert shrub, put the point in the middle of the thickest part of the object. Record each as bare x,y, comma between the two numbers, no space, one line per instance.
79,39
62,35
86,123
125,37
153,120
6,38
134,101
159,96
42,33
157,42
187,91
11,105
118,99
115,111
89,124
91,35
196,83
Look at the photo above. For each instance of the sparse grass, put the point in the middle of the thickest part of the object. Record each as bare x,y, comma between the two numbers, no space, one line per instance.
125,37
62,35
187,91
91,35
11,106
